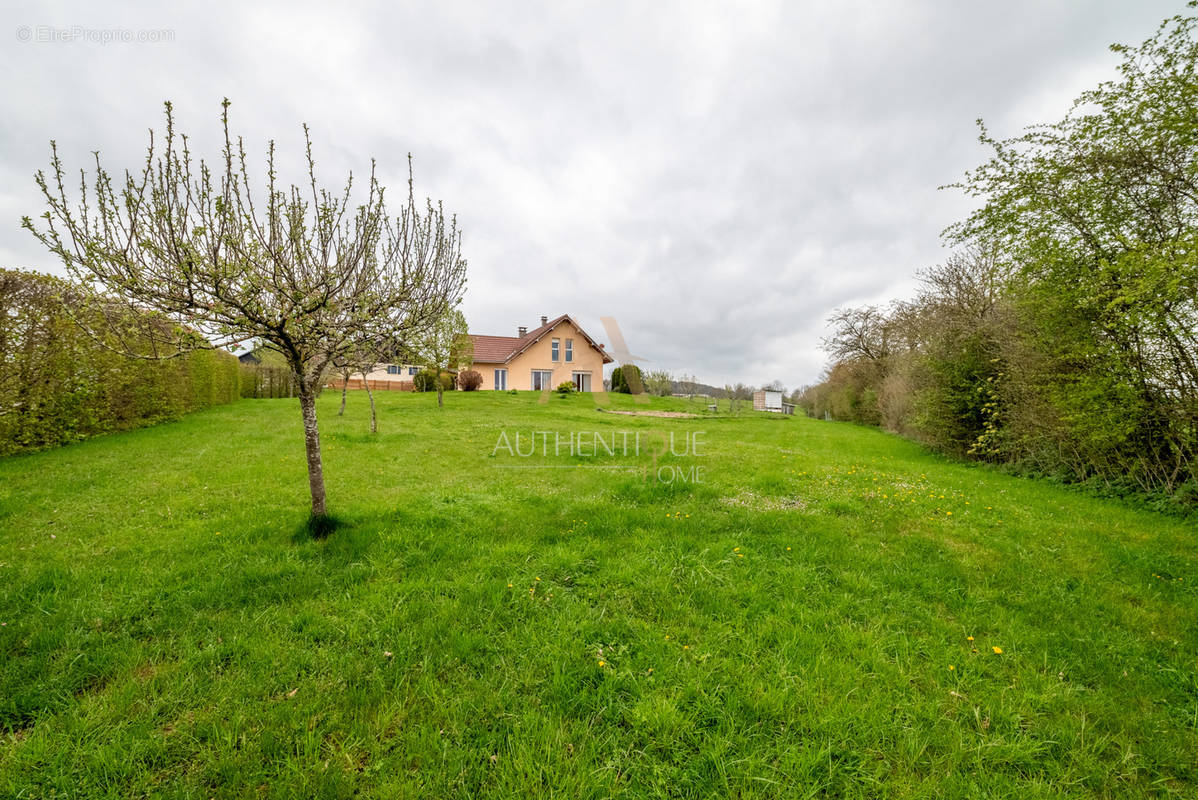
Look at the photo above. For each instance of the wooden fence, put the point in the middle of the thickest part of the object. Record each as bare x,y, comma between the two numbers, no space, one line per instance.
375,385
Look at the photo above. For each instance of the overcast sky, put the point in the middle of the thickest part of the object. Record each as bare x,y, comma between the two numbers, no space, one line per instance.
717,177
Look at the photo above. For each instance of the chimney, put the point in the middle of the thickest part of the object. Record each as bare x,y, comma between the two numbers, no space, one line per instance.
523,331
544,321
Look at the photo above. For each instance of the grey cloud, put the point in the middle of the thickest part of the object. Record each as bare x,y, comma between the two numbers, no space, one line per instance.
717,177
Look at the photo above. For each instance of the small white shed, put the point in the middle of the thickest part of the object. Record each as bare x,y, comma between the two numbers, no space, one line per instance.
770,400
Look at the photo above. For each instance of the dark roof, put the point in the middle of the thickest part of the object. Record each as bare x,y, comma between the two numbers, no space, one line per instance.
501,349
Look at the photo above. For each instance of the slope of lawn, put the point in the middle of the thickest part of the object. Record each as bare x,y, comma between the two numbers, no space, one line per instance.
829,611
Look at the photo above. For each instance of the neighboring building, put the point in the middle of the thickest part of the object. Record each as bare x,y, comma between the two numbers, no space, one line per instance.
769,400
558,351
384,377
262,357
552,354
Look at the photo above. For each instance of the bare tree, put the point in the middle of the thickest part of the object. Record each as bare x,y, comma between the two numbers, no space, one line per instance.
362,361
346,371
300,269
737,393
688,385
859,333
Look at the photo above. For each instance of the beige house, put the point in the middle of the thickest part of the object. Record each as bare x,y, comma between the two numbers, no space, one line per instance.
550,355
543,358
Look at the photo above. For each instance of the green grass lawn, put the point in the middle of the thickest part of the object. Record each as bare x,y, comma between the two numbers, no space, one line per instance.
820,615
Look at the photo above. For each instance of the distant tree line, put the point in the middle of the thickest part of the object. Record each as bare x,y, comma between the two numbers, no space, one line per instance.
58,384
1062,333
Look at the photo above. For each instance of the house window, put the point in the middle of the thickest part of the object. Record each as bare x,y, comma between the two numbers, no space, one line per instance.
556,348
542,379
500,380
392,369
413,370
570,350
582,380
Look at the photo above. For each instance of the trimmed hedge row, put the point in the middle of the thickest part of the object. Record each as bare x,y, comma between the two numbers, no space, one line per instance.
266,380
58,385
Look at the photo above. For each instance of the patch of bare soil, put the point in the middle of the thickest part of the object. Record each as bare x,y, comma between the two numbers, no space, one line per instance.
674,414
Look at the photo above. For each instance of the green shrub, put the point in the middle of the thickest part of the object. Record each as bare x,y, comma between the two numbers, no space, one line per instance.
620,379
565,387
426,381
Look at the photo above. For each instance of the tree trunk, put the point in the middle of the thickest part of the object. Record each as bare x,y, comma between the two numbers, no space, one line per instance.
374,420
440,391
344,389
312,445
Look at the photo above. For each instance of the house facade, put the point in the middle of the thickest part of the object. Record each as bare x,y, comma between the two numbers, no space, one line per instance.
557,351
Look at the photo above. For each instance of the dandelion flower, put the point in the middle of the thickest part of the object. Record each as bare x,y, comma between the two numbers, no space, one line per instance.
686,647
509,586
951,667
969,638
997,650
602,663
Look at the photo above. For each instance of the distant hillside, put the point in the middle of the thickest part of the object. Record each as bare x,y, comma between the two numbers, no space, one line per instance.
683,388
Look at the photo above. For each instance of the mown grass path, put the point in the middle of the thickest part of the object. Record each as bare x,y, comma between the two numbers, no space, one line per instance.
821,615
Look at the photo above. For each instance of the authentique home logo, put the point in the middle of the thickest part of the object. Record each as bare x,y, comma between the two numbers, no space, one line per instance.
544,449
646,448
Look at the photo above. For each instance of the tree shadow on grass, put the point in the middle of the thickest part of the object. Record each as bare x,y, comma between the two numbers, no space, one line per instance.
337,539
320,527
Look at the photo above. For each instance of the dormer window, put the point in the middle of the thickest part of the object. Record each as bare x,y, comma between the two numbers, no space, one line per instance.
555,349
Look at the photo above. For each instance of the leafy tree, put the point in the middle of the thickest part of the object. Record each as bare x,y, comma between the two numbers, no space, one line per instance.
1099,210
444,346
302,270
659,382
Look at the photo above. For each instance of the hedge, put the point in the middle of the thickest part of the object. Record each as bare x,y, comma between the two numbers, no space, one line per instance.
59,385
